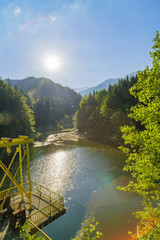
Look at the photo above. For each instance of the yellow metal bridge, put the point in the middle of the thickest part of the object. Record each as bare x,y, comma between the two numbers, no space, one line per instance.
41,204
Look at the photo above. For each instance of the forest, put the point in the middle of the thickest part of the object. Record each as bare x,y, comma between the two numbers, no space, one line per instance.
29,107
101,114
32,114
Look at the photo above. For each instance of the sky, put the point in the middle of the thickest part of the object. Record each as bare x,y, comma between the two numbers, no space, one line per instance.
77,43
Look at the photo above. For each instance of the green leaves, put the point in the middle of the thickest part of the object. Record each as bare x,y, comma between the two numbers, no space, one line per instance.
143,146
88,230
18,117
101,114
26,235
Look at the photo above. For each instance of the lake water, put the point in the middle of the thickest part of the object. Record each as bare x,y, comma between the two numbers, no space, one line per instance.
87,176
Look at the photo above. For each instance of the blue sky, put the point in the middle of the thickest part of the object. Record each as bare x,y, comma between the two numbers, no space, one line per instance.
93,40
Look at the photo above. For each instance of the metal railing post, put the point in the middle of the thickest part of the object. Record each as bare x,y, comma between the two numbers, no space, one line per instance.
45,235
29,177
21,174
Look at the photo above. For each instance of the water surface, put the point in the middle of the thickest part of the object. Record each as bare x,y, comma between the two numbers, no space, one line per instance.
87,176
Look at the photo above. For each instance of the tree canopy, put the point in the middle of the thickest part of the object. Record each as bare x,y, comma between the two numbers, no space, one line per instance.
101,114
144,145
35,104
15,115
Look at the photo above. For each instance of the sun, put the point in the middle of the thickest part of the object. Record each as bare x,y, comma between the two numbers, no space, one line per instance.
52,63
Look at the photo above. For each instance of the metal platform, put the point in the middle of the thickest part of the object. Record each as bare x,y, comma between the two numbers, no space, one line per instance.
25,201
46,204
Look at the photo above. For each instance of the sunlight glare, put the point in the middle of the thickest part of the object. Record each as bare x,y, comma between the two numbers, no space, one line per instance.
52,63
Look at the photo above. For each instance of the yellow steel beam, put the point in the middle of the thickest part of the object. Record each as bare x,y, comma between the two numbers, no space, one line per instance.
15,141
23,137
20,167
29,176
8,168
12,178
45,235
8,143
7,195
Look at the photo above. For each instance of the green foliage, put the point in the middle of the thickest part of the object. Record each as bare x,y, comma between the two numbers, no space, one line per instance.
45,112
144,145
26,235
43,87
15,115
67,122
101,114
53,114
88,230
39,102
153,234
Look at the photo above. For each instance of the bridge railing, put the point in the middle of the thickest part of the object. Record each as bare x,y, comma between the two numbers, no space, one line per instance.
46,211
36,187
8,192
45,191
56,203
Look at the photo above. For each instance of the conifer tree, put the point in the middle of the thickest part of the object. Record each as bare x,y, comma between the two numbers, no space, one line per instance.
16,118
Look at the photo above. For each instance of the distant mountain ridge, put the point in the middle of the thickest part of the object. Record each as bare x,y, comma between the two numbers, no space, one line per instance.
78,90
105,84
45,87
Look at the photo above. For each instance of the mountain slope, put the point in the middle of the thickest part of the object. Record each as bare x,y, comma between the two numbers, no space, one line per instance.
45,87
101,86
105,84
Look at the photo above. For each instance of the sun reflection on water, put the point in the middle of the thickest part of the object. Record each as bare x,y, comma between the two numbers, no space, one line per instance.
59,167
88,179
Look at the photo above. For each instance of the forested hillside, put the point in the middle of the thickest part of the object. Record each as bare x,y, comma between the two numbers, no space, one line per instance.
38,104
101,114
15,115
37,87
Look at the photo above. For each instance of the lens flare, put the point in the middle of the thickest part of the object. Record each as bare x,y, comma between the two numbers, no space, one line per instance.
5,118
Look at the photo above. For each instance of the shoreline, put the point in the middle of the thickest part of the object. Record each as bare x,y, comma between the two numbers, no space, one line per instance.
72,138
60,138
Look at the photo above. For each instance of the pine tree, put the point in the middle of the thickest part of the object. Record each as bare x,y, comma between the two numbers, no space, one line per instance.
16,118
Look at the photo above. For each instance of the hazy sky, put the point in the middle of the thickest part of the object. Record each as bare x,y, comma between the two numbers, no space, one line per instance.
87,41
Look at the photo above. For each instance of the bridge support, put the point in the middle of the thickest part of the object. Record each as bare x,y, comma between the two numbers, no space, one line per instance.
8,143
